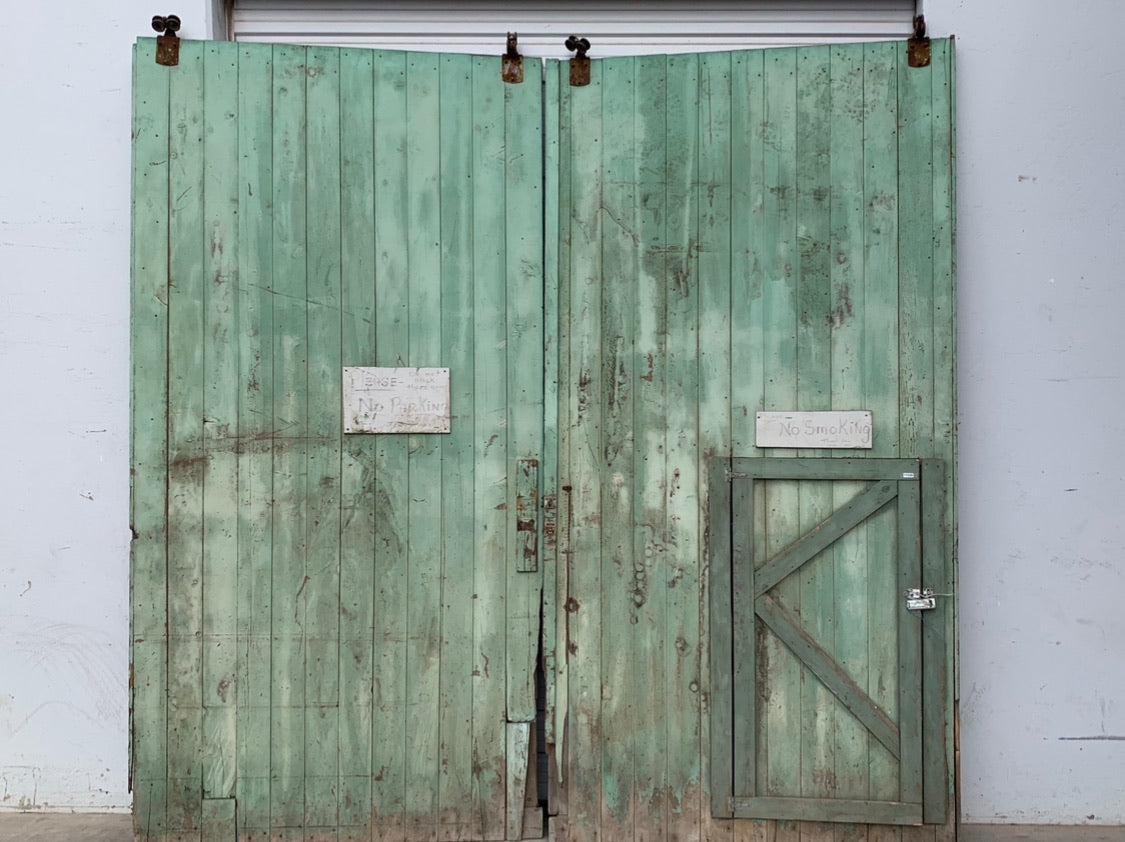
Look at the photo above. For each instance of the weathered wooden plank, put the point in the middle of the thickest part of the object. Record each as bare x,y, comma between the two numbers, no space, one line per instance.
290,488
455,713
733,739
491,447
836,469
881,373
935,672
553,567
816,538
623,588
781,718
587,398
187,461
649,480
909,645
220,429
683,534
423,236
325,423
945,371
916,259
746,535
749,249
846,316
518,738
819,661
814,388
748,246
716,291
149,442
357,470
840,810
392,494
523,257
255,429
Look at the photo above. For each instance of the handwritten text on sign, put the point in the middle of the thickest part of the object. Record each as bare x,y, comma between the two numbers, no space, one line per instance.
814,429
396,400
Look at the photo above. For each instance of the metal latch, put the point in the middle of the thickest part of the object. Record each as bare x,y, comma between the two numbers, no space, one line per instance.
920,599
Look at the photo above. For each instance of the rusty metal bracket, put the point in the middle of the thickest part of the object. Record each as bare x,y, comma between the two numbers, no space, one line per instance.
511,70
168,43
580,64
918,47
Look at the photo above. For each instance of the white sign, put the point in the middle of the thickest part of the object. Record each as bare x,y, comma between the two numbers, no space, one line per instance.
814,429
396,400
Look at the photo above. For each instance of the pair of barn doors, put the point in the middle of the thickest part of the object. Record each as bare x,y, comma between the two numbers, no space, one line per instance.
347,636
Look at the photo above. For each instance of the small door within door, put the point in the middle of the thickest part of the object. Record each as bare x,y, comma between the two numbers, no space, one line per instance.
820,676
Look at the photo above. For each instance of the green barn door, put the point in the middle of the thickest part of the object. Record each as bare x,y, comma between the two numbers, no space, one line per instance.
733,233
334,635
817,647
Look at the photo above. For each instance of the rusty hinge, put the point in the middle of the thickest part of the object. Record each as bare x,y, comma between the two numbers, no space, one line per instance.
511,68
918,47
168,43
580,64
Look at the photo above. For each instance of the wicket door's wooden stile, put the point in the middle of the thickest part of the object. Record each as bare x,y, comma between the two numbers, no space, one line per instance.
335,636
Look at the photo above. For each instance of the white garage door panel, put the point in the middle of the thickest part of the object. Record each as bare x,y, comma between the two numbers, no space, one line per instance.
613,28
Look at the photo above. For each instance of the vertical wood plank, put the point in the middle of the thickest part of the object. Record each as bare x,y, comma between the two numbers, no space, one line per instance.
188,462
681,445
425,471
781,718
846,319
935,674
290,414
558,110
649,487
945,392
256,430
814,388
523,258
491,444
716,284
357,471
553,658
325,423
392,495
725,747
916,260
455,722
751,253
916,336
881,374
623,588
586,395
149,442
910,646
221,434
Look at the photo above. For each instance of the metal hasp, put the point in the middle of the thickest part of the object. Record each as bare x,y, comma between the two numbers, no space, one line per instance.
920,599
511,69
167,43
918,47
580,64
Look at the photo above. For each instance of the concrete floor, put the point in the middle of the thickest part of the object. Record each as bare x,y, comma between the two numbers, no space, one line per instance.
93,827
65,827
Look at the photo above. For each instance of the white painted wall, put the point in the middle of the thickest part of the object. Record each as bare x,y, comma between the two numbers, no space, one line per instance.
64,397
1041,251
1041,204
